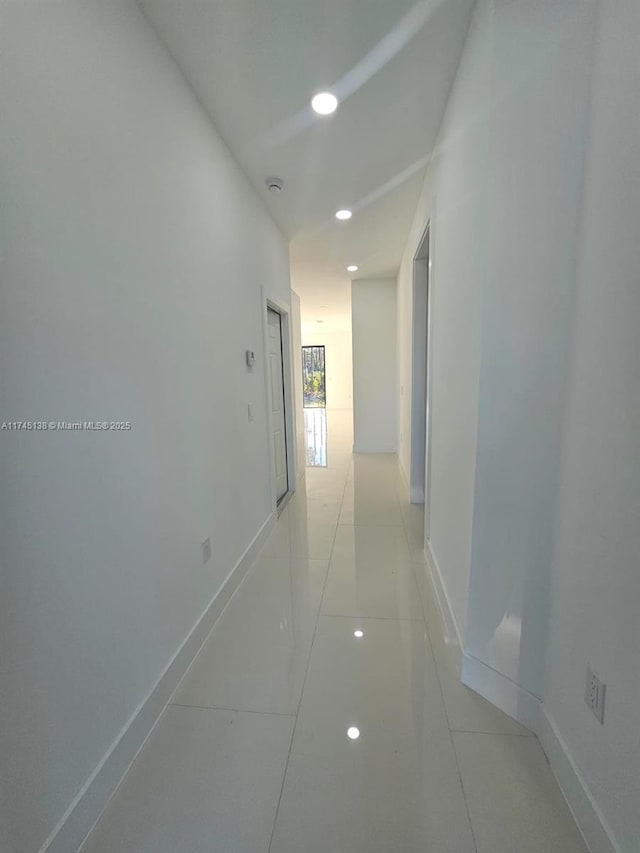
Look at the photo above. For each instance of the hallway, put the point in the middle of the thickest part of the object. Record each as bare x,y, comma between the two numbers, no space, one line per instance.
324,713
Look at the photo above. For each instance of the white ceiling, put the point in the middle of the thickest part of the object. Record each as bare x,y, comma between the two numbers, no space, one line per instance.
254,65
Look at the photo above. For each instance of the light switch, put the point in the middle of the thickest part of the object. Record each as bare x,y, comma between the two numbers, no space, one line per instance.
250,411
251,358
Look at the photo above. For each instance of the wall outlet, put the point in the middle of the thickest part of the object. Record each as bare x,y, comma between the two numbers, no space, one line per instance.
594,694
206,550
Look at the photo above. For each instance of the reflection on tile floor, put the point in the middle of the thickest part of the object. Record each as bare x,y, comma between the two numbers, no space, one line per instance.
324,714
315,437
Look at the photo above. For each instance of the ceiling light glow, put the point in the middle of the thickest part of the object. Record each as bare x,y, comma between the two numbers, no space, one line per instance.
358,633
352,268
353,733
343,214
324,103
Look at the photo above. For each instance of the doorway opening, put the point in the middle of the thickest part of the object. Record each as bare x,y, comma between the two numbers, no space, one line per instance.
279,392
315,406
420,491
314,378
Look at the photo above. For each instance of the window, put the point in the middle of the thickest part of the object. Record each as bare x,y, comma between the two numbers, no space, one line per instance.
313,377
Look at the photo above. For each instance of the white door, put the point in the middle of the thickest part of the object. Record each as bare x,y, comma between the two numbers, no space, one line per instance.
276,394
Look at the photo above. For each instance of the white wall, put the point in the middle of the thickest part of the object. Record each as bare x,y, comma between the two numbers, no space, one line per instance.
454,199
127,293
541,55
373,313
540,143
503,192
595,612
338,361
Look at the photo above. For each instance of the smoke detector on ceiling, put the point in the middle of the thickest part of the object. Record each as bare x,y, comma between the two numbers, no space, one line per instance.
275,185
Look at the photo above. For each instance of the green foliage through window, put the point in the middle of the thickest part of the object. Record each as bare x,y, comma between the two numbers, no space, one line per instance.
313,377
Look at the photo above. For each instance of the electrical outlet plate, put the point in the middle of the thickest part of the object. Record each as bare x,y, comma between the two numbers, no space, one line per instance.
206,550
595,694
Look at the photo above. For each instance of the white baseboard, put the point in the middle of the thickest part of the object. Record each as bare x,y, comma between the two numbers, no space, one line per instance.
405,481
85,810
597,834
414,494
417,495
527,709
505,694
448,616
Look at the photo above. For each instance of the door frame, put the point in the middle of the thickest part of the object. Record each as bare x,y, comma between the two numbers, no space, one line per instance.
421,374
284,310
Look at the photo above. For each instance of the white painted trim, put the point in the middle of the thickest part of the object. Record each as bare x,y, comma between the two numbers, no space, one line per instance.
447,620
597,834
505,694
430,314
420,373
416,495
404,478
528,710
284,310
85,810
444,603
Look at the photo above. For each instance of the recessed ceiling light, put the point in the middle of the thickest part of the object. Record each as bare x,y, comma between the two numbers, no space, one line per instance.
343,214
324,103
358,633
353,732
352,268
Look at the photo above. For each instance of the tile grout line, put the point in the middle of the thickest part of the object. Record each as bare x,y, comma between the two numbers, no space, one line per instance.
444,706
306,672
492,734
379,618
230,710
453,745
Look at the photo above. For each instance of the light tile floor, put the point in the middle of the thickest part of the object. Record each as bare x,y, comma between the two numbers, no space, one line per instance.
327,635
